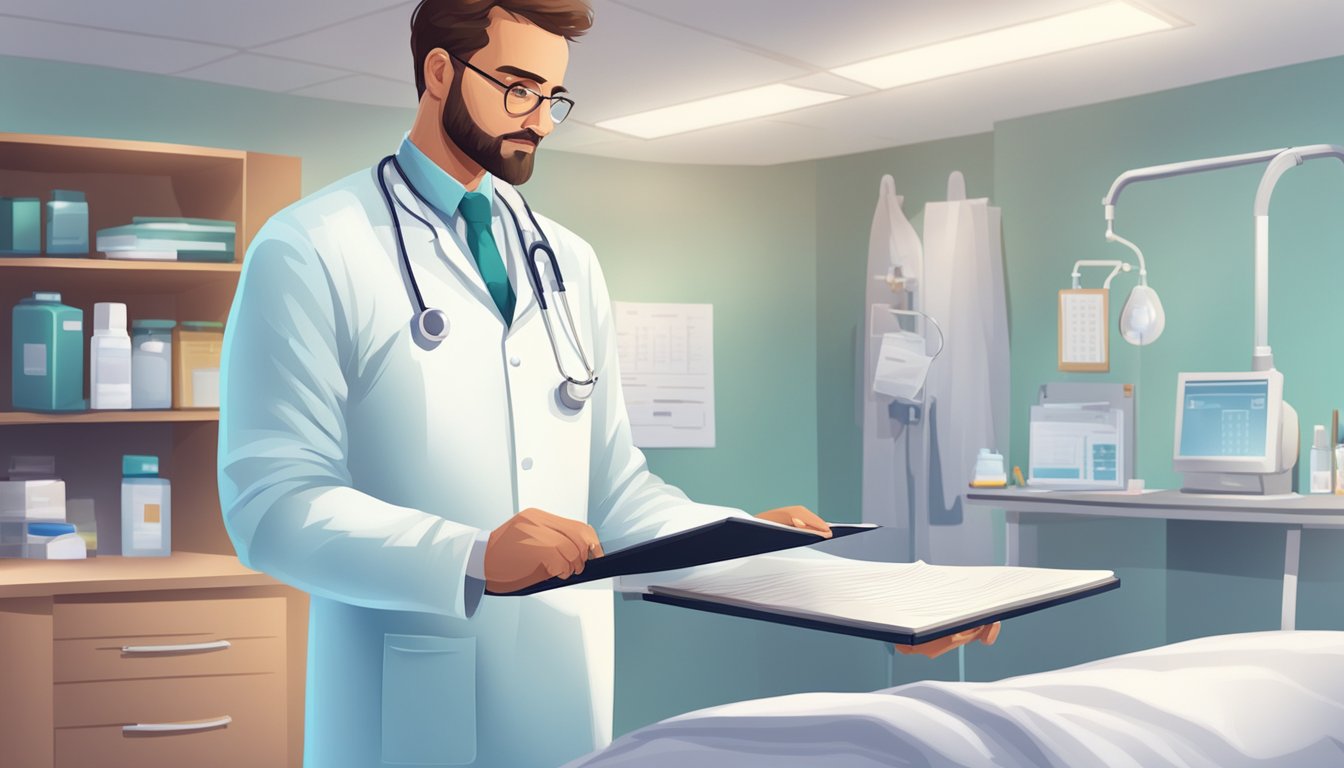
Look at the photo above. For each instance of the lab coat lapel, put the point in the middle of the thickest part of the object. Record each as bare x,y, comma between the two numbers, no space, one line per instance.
417,233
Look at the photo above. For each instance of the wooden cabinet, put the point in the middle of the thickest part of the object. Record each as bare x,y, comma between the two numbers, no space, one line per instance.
69,686
149,683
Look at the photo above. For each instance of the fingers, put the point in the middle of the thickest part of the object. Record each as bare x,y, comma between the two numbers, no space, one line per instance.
806,518
986,634
798,517
990,633
574,541
581,537
556,565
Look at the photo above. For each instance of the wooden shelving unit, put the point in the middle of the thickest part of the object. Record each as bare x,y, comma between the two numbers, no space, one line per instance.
123,179
13,418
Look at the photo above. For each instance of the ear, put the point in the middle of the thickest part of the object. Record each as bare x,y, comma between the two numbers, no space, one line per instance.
438,74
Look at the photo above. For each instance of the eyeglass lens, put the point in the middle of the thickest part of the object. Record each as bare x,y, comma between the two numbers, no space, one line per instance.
519,100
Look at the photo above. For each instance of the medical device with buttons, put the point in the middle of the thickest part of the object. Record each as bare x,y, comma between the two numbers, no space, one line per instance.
1234,433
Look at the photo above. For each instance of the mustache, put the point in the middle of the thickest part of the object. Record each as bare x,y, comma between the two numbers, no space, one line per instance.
524,135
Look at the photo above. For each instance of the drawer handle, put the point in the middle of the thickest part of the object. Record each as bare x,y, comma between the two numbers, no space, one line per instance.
199,725
218,645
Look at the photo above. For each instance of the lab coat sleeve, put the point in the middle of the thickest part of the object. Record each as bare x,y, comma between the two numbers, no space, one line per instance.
285,489
628,503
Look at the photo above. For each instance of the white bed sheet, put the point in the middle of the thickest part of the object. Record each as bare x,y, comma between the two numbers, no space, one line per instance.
1265,699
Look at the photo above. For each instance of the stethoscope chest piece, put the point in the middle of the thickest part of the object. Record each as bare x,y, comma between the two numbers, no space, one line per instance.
431,327
574,395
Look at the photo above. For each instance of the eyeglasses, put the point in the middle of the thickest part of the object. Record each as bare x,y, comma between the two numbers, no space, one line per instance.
519,100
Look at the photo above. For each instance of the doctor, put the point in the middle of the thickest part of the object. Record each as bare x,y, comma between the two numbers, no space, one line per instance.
394,439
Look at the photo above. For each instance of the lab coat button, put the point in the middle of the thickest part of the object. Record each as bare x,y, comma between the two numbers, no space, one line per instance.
527,463
515,362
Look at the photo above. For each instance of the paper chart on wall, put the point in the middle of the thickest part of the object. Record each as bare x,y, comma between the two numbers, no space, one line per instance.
667,372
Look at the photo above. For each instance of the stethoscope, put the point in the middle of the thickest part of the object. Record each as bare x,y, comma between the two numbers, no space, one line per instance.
431,325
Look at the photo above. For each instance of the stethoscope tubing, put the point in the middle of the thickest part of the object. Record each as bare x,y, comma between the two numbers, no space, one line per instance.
534,276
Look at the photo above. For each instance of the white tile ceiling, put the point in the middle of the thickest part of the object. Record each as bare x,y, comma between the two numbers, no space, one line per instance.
643,54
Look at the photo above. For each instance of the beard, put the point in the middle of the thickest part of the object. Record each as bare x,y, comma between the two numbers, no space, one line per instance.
514,167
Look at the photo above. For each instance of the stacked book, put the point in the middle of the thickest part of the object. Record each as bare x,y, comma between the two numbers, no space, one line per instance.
170,239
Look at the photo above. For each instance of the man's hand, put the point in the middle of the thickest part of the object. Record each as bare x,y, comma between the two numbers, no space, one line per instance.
533,546
935,648
798,517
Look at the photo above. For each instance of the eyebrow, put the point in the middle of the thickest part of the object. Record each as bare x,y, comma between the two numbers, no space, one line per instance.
523,73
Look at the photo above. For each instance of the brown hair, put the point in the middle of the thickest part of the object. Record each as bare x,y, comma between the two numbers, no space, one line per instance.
458,26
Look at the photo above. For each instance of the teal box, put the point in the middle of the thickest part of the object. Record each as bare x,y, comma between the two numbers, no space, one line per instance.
139,466
67,223
20,226
48,356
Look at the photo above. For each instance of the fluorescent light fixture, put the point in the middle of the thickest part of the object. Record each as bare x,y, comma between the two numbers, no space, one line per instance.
1098,24
718,110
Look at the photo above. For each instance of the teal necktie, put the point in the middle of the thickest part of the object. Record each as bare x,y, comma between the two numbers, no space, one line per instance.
475,208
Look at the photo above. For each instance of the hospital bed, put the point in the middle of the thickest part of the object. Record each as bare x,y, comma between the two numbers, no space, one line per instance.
1263,699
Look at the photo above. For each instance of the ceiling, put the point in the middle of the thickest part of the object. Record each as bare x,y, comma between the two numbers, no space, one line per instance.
643,54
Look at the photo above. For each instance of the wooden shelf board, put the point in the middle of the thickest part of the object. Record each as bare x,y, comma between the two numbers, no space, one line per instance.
66,154
109,417
124,265
110,573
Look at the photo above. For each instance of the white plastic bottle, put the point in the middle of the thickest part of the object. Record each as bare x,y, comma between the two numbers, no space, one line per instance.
146,509
109,358
1320,462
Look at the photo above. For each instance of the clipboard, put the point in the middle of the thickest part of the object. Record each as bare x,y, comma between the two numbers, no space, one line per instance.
726,539
890,635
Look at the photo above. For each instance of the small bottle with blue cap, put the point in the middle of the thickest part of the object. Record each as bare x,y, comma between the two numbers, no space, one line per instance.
146,511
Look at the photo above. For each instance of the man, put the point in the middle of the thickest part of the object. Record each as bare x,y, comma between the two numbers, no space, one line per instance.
397,474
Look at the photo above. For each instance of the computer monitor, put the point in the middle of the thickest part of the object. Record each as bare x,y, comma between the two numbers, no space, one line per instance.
1234,433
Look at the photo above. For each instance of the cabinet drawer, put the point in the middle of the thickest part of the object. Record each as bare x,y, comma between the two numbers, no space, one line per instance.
165,656
90,718
131,619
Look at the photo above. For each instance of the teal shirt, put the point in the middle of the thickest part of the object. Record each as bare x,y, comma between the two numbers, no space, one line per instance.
443,192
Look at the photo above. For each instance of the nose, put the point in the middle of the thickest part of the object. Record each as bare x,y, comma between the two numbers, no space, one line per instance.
540,120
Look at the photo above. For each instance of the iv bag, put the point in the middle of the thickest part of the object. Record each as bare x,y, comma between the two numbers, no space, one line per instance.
902,365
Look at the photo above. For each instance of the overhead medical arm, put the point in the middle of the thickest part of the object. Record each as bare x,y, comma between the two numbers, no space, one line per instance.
1288,158
1156,172
1279,160
1117,267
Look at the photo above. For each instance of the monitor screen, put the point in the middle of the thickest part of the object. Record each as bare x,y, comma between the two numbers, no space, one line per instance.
1224,418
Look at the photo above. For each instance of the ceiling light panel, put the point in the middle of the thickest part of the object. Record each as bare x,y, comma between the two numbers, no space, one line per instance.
1069,31
718,110
833,34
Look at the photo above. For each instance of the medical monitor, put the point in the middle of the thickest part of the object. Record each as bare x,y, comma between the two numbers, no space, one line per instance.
1232,425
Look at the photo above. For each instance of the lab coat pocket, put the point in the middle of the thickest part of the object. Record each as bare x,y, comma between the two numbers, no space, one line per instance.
429,700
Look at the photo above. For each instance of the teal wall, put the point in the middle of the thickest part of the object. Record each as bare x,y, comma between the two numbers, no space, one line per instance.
1051,172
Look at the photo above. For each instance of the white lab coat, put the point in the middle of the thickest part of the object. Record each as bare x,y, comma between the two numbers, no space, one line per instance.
360,467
